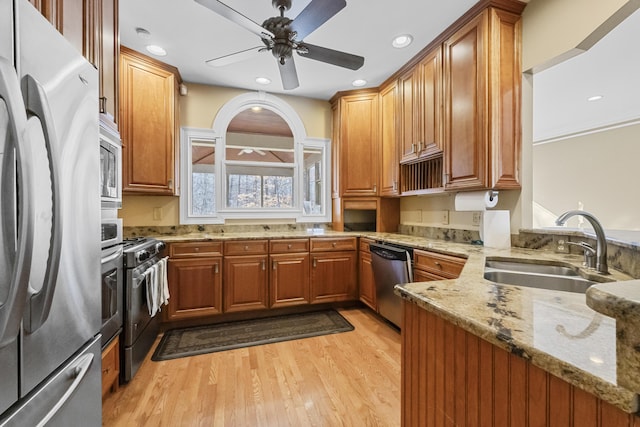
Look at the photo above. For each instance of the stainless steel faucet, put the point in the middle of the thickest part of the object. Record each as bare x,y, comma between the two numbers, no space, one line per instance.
601,246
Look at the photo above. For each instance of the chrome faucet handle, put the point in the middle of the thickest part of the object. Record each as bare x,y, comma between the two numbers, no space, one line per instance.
589,254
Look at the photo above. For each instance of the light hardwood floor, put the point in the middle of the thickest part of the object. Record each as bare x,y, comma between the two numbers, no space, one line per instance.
345,379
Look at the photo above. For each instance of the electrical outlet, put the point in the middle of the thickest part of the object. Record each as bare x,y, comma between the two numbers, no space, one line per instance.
560,244
445,217
157,214
477,217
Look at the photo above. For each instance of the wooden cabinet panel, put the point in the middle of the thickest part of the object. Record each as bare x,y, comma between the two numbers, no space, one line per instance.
359,139
321,244
389,151
482,102
195,249
443,266
367,282
111,367
430,141
289,279
245,283
288,246
195,286
148,123
246,247
333,276
408,86
107,36
452,377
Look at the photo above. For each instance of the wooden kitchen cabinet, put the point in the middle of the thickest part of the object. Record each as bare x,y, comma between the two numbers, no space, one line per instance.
421,109
358,142
434,266
452,377
67,16
366,279
245,285
289,273
111,367
195,280
333,269
148,124
102,48
482,102
389,161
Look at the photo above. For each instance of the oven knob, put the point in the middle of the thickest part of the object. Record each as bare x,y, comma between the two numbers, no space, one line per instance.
142,255
160,246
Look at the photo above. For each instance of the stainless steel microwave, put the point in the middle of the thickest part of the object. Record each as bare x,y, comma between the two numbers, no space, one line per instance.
110,168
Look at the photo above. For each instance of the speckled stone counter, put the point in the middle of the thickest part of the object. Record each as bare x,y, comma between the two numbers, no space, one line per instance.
556,331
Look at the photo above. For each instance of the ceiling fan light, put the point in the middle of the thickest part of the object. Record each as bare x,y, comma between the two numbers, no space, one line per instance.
263,80
401,41
358,82
156,50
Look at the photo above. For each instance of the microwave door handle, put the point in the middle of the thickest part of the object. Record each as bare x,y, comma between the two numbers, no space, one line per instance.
39,303
11,309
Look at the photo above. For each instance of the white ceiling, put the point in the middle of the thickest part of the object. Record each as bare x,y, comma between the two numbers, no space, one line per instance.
611,69
192,34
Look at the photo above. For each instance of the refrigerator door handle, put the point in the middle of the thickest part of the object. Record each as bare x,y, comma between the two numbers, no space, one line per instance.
39,303
77,372
12,309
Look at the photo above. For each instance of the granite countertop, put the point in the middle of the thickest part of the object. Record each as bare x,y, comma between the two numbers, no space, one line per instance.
556,331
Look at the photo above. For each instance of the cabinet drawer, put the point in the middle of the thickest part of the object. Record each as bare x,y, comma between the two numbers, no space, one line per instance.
442,265
333,244
111,366
246,247
191,249
364,244
288,246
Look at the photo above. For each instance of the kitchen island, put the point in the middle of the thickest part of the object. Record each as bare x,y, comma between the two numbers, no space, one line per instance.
517,353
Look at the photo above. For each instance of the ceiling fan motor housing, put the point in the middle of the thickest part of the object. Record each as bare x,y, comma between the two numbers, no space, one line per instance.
284,42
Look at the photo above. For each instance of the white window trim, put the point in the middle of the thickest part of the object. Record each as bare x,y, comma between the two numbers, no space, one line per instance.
218,134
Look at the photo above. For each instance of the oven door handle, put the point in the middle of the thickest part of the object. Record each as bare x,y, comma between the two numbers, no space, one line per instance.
39,303
114,256
11,309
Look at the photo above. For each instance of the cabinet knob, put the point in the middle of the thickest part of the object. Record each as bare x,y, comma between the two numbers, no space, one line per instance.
273,264
246,247
196,249
216,269
438,265
334,244
315,263
264,265
289,246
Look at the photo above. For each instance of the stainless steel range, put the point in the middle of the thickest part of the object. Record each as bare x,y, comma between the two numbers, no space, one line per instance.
140,328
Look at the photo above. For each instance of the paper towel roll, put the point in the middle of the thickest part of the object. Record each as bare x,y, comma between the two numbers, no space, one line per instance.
476,200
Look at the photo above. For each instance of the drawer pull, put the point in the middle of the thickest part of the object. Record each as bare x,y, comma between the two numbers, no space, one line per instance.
315,263
273,264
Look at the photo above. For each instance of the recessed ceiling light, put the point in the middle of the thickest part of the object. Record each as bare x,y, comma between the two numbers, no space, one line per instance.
359,83
402,41
595,98
262,80
156,50
142,33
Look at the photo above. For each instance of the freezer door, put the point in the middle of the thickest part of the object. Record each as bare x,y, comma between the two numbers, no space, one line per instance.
70,397
60,91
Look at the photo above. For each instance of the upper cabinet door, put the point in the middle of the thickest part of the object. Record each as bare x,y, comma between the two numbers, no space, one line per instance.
430,140
359,141
482,103
148,120
389,149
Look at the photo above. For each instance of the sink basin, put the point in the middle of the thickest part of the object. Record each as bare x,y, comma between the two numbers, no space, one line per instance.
551,276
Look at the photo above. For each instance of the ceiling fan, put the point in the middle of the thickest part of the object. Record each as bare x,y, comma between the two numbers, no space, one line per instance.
282,36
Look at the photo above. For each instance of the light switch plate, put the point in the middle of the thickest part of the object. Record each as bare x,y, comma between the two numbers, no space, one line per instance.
445,217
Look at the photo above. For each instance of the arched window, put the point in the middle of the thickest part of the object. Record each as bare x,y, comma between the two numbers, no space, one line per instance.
255,163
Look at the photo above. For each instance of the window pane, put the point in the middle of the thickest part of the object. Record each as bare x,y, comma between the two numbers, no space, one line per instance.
313,191
203,194
278,192
244,191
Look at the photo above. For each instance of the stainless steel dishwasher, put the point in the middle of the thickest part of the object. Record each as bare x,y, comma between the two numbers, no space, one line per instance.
391,266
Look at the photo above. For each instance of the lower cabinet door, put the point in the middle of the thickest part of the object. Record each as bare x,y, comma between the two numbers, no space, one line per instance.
333,276
289,279
245,283
367,282
195,287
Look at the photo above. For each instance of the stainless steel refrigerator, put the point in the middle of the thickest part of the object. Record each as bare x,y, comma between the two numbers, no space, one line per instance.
50,226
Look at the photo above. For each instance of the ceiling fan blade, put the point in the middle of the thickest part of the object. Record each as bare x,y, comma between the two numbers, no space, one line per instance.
288,74
335,57
235,16
314,15
232,58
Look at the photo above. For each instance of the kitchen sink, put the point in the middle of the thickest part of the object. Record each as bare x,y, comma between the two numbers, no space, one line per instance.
536,274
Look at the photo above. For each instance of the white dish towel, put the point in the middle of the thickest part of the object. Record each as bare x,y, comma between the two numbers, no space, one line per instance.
157,286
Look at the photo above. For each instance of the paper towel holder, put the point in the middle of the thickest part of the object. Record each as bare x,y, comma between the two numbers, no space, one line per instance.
493,194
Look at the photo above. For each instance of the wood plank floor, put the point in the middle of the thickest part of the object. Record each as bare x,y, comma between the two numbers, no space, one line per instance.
345,379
